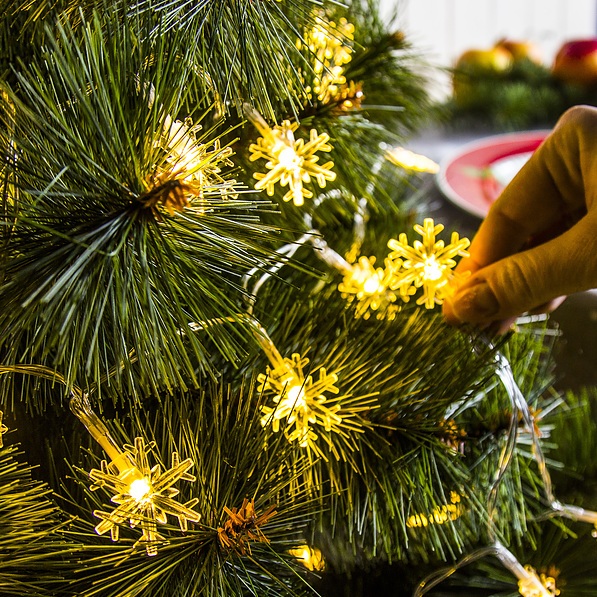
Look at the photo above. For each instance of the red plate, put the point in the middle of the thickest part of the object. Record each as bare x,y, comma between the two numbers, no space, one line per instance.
474,177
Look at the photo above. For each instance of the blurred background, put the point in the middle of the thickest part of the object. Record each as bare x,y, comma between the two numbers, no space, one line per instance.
457,25
482,96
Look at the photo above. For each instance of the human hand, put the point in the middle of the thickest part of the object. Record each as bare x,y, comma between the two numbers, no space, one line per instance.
538,242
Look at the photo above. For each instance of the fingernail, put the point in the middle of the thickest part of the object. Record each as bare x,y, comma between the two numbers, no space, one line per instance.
475,304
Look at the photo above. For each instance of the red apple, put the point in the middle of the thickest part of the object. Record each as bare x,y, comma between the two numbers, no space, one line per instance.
576,62
521,50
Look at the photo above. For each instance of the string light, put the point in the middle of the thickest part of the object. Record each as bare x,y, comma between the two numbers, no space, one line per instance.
428,264
368,286
290,161
310,557
300,401
326,42
527,587
408,160
187,170
144,496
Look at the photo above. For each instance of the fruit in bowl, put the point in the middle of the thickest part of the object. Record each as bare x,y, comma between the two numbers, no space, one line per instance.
521,50
474,64
576,62
496,59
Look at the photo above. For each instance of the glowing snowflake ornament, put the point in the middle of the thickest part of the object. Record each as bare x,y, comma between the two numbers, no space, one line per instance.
330,45
300,401
537,585
428,264
290,161
187,171
368,286
144,495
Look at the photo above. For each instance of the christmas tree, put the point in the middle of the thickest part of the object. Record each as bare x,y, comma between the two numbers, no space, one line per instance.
222,366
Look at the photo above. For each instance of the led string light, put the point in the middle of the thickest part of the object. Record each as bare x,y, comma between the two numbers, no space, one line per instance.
305,404
504,371
326,44
143,494
428,264
300,402
530,583
285,252
290,162
186,168
370,289
363,283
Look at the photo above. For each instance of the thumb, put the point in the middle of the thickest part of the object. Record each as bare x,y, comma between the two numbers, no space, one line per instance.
526,280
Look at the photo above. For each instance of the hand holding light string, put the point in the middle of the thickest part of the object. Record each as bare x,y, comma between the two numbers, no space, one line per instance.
538,243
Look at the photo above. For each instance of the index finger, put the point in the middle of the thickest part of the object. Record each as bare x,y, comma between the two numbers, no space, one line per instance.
548,190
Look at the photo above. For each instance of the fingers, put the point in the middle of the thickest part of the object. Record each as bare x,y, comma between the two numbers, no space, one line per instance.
527,280
556,187
549,188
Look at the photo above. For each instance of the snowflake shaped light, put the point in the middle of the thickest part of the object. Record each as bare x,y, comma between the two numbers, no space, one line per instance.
411,161
188,169
291,162
300,401
535,585
428,264
144,495
3,429
327,44
369,287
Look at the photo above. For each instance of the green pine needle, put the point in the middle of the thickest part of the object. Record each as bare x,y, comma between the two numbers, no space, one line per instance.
34,555
94,279
219,431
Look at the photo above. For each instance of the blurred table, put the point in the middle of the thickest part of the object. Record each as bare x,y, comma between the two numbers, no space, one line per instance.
576,355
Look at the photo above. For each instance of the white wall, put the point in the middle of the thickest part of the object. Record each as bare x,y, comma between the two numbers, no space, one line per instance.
443,29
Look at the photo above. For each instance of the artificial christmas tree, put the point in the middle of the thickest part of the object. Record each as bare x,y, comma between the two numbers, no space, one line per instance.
216,387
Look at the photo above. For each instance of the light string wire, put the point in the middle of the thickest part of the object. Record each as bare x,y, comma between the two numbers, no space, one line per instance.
81,407
519,410
315,238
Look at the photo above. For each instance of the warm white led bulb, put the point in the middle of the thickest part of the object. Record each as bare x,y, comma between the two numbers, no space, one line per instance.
288,158
372,285
295,395
139,489
432,270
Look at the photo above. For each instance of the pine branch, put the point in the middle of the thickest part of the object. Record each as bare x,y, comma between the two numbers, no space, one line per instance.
34,553
219,431
248,48
104,260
